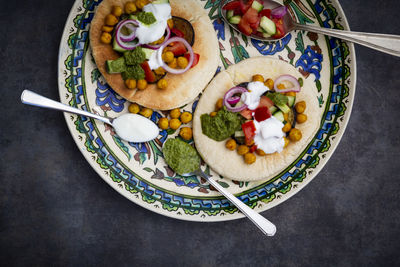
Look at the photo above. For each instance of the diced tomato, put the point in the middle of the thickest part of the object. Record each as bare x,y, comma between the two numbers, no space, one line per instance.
253,148
177,32
265,12
265,102
245,5
249,21
148,73
255,25
251,16
195,60
262,113
280,28
249,130
177,48
232,5
247,113
245,27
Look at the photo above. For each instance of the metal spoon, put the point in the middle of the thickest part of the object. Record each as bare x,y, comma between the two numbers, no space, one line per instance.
386,43
130,127
262,223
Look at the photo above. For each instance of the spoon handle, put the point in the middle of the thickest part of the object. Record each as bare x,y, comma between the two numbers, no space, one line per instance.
31,98
263,224
386,43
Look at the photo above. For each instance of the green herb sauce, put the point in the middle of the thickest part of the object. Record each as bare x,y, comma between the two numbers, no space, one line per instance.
133,72
221,126
135,56
146,17
181,156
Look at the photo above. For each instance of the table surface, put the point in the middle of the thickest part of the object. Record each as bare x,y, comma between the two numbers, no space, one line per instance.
54,208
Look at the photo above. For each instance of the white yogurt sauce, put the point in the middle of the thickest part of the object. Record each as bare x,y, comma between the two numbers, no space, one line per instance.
252,97
135,128
154,61
269,135
150,33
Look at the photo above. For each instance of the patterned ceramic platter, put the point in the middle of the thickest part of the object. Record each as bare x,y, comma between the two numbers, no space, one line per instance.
139,172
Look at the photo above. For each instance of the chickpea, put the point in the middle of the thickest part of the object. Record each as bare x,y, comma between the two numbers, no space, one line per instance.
257,78
249,158
116,11
286,141
130,7
182,62
107,28
287,127
146,112
159,41
213,114
130,83
159,71
175,113
295,135
281,86
141,3
162,84
300,107
269,83
111,20
163,123
186,133
219,104
300,118
134,108
290,93
242,149
231,144
173,64
141,84
105,38
174,124
170,23
186,117
260,152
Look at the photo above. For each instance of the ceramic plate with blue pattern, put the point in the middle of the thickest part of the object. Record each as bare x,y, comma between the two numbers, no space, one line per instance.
138,170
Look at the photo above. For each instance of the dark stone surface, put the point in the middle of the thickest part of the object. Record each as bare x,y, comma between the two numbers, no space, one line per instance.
55,210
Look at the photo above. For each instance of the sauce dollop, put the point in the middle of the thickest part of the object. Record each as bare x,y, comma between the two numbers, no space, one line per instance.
135,128
181,156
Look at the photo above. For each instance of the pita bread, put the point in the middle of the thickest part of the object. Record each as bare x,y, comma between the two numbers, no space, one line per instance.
228,163
182,88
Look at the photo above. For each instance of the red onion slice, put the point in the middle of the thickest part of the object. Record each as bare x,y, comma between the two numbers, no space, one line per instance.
230,94
168,68
233,100
287,78
155,47
279,12
131,36
118,35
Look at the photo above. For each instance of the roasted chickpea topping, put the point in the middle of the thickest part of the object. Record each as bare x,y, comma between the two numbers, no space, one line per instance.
286,116
130,7
105,38
213,114
146,112
141,84
219,104
159,41
186,133
231,144
141,3
173,64
182,62
287,127
159,71
286,142
300,107
175,113
257,78
111,20
170,23
162,84
300,118
134,108
281,86
117,11
295,135
163,123
269,83
174,124
242,149
107,28
168,57
260,152
186,117
249,158
290,93
130,83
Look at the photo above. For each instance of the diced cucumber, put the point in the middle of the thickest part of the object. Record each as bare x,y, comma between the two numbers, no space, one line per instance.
291,100
116,66
229,14
239,137
268,25
117,48
273,109
291,118
284,108
266,35
160,2
133,17
235,19
257,6
279,115
148,52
